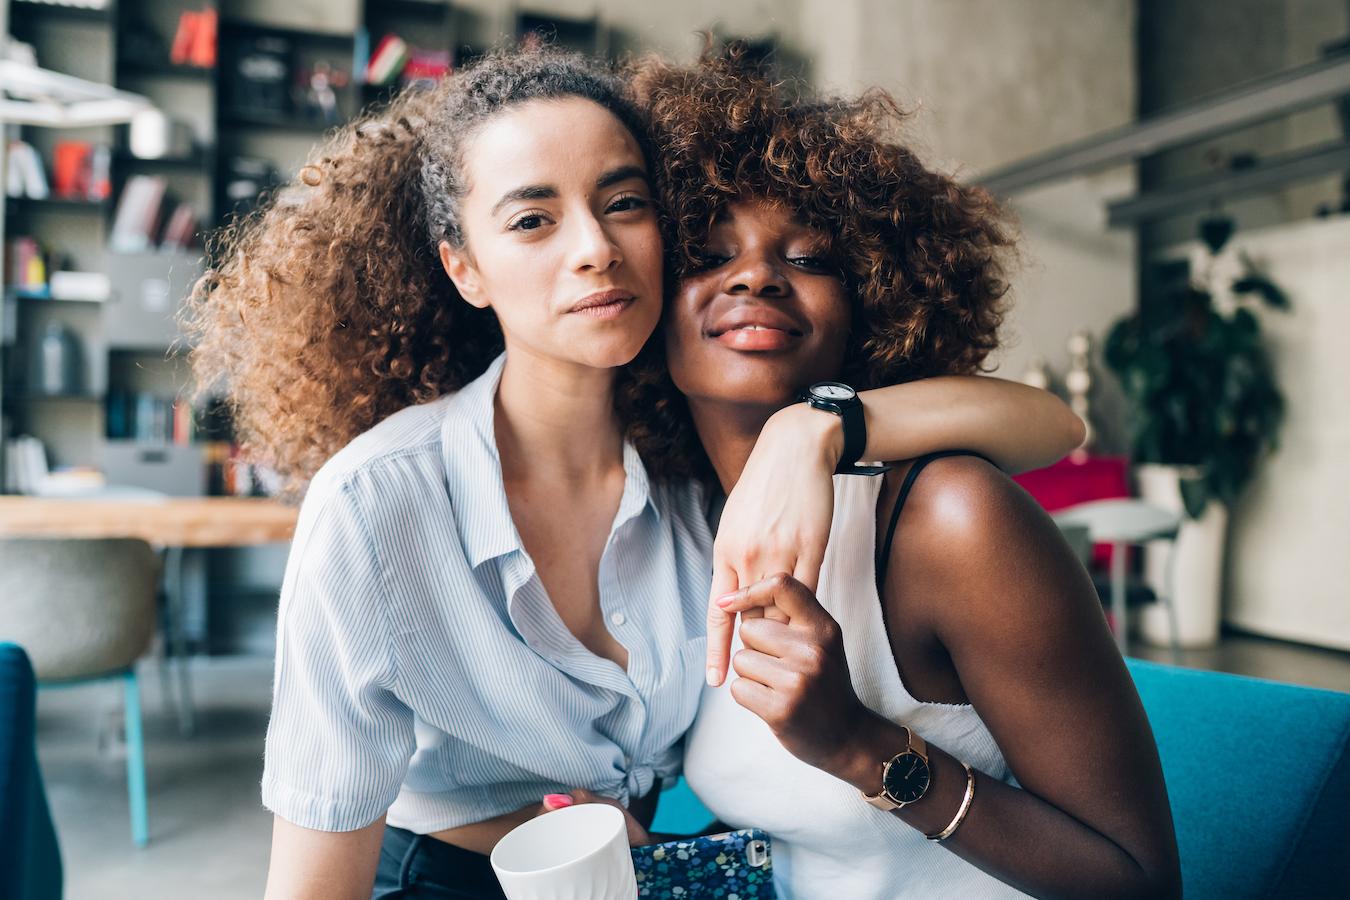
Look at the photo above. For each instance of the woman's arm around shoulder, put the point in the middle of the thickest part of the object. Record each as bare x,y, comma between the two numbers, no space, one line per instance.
1016,426
778,517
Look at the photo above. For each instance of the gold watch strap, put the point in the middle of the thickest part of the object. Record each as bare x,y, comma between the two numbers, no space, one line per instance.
913,744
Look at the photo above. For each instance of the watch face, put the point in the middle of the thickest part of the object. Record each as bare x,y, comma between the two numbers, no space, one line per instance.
830,390
906,778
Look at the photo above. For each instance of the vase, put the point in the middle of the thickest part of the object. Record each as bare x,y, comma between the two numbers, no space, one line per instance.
1197,573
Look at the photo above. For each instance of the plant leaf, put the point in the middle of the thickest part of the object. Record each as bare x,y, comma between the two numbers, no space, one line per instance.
1194,496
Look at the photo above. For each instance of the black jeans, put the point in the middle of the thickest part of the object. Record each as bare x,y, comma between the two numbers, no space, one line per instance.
415,866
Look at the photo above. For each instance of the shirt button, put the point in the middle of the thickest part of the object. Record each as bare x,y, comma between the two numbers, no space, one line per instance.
618,618
627,760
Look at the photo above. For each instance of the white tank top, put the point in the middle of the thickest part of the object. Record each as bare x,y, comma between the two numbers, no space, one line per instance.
828,842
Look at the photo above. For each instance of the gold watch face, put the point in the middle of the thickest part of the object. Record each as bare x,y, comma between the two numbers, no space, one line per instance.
906,777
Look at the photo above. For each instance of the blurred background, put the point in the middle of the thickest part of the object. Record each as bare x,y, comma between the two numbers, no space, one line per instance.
1181,175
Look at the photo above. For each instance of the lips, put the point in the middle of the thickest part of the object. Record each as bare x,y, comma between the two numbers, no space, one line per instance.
604,304
754,327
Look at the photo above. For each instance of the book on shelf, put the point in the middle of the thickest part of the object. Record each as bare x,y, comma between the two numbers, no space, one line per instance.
194,43
25,465
26,176
25,265
360,51
180,233
81,170
137,217
149,419
388,60
426,67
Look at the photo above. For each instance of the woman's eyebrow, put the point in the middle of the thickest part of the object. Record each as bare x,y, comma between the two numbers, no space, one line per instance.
528,192
622,173
549,192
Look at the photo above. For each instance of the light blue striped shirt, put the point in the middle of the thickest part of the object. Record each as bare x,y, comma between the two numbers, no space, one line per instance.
421,668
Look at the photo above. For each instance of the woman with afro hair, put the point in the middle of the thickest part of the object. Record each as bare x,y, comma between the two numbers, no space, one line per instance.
494,595
943,713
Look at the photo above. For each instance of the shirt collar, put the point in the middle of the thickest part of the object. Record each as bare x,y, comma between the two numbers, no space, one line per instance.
473,469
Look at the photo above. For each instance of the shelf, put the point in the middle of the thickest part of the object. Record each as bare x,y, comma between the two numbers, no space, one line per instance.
141,69
387,9
198,161
277,121
371,91
44,296
235,26
59,398
19,205
25,9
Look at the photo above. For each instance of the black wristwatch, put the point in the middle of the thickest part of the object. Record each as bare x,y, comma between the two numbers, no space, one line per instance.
841,400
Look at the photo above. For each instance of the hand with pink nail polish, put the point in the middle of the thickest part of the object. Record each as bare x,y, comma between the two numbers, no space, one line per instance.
637,835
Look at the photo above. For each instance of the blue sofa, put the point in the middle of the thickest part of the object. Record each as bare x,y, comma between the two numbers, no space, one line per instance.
1258,774
30,861
1259,778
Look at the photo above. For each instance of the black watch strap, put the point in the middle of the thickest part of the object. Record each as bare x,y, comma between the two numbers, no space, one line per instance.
853,420
855,441
855,433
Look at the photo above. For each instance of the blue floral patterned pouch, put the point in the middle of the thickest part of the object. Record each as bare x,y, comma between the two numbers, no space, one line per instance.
732,866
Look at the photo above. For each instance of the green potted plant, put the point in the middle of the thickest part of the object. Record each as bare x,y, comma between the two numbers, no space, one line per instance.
1204,408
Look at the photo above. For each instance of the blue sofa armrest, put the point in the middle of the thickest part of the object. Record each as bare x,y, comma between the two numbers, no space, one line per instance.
1258,775
30,860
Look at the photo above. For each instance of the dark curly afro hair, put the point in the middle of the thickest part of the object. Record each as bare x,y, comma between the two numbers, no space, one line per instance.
923,256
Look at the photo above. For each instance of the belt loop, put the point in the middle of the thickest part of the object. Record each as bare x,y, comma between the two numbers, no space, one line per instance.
406,866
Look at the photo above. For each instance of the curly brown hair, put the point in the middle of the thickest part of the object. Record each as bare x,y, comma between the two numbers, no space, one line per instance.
328,309
923,256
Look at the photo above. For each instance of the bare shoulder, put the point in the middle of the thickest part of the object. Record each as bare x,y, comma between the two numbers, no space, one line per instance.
962,501
971,541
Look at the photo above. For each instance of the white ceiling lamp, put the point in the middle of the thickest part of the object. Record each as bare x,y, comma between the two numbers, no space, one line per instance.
30,95
34,96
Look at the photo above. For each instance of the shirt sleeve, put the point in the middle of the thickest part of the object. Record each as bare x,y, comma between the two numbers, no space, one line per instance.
339,739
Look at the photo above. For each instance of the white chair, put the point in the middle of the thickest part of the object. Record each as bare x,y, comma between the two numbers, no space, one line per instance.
1125,523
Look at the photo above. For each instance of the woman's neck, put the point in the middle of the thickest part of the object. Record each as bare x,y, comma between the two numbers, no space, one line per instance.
728,433
556,419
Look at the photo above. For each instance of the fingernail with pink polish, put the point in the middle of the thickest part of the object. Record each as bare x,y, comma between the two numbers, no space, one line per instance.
557,801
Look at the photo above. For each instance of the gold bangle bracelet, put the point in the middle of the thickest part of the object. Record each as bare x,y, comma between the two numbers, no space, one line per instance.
960,813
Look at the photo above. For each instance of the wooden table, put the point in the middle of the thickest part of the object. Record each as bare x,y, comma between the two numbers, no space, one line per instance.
178,524
166,521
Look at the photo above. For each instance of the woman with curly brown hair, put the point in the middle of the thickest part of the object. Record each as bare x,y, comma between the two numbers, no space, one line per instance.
946,715
487,598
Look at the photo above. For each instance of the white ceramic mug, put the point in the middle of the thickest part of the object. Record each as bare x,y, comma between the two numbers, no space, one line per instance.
575,853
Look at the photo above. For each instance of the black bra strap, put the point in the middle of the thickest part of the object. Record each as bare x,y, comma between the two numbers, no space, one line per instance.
884,554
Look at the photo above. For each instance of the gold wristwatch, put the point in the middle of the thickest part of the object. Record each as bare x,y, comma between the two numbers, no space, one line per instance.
904,777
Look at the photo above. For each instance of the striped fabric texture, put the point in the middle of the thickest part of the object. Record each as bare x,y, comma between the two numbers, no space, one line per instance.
422,670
